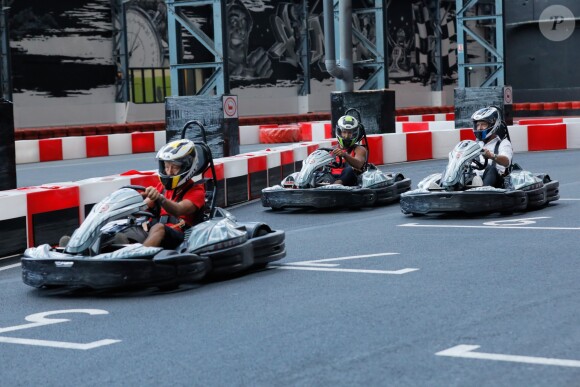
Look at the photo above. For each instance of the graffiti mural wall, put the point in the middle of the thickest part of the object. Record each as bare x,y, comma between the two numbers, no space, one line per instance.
62,55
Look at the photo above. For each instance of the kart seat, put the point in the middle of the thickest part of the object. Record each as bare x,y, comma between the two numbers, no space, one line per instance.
203,158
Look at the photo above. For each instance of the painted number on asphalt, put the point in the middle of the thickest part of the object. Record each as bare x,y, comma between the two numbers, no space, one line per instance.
515,222
41,319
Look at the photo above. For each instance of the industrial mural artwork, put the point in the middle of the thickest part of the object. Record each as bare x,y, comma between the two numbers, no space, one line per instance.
63,49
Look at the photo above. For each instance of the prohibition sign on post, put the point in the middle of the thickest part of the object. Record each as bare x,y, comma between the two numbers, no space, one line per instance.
230,106
508,95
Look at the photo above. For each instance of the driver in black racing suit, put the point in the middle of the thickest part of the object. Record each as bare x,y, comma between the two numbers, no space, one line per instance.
491,131
351,157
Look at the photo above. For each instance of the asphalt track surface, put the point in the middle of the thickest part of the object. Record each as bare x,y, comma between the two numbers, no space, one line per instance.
370,297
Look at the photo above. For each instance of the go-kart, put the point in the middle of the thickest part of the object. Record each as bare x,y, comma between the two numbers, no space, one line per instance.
312,187
106,250
458,190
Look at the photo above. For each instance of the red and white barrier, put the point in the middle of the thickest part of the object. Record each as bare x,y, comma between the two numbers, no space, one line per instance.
67,148
34,215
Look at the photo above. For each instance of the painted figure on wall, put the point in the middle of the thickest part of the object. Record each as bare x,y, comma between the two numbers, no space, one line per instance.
244,63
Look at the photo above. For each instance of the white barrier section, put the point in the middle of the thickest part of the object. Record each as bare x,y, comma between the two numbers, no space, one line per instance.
318,132
399,127
394,147
571,120
443,141
441,125
519,137
442,117
93,190
573,135
120,144
234,166
300,151
324,144
249,134
160,139
416,118
27,151
74,148
13,204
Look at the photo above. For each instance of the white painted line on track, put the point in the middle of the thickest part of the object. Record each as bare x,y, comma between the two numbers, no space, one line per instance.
466,351
488,227
10,266
316,262
310,268
319,265
58,344
568,199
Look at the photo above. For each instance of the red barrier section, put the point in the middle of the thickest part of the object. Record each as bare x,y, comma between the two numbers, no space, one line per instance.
257,163
281,134
521,106
50,149
312,148
547,137
550,106
564,105
287,157
143,142
428,117
449,116
537,106
415,127
328,132
146,179
375,149
305,131
541,121
257,175
466,134
419,146
52,211
97,146
402,118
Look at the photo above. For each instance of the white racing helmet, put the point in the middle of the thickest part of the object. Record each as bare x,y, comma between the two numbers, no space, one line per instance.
492,116
180,152
348,124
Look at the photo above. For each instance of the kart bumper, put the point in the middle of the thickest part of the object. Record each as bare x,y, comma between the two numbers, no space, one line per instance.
258,251
469,202
162,269
333,197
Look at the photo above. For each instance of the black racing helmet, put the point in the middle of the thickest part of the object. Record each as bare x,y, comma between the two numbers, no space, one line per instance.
180,152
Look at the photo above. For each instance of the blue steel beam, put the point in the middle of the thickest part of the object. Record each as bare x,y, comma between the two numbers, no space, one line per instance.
218,82
496,69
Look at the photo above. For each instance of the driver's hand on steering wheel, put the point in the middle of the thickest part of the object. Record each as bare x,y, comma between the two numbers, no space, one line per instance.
151,193
338,152
488,154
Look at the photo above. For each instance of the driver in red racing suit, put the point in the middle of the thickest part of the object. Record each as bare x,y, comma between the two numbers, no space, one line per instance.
351,157
181,200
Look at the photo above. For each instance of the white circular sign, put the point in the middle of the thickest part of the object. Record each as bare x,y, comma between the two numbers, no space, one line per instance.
508,95
230,107
557,23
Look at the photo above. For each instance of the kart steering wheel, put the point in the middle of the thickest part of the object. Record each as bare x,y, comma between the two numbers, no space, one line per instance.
326,149
479,165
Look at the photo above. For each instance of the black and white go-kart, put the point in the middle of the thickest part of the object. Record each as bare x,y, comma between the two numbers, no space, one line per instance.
105,251
456,191
312,187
